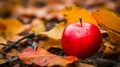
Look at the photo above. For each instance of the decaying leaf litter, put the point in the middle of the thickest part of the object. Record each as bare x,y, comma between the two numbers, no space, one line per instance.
30,38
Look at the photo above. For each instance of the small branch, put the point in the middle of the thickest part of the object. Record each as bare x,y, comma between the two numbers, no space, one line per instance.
13,44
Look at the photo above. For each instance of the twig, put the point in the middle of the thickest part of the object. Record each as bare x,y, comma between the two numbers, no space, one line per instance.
13,44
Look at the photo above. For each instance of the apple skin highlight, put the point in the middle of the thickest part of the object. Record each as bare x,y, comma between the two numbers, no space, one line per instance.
81,41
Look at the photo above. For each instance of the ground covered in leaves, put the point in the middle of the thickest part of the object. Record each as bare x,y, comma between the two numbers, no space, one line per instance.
30,32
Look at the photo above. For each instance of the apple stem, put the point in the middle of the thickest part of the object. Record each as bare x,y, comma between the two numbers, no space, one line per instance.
80,21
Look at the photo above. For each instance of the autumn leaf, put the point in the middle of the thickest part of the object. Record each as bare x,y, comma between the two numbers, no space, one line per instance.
12,53
73,13
56,32
42,57
2,60
37,26
109,49
114,37
108,19
2,27
2,40
54,36
84,65
14,38
54,43
50,43
12,27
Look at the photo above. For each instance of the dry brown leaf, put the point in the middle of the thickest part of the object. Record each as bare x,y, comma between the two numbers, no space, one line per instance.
42,44
107,19
56,32
54,14
2,46
73,13
2,60
12,53
107,44
37,26
114,37
102,48
84,65
2,40
109,49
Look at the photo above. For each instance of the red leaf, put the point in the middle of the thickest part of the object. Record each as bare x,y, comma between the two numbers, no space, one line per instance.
42,57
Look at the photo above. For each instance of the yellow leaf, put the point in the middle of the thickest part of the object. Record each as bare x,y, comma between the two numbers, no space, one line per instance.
102,48
73,13
107,44
54,36
107,19
13,27
114,37
109,49
14,38
37,26
54,43
56,32
50,43
2,60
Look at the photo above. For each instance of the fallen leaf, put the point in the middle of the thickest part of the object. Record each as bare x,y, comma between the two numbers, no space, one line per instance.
2,27
110,49
2,60
12,53
14,38
107,19
114,37
84,65
2,46
17,65
54,36
2,40
73,13
102,48
13,27
56,43
42,57
37,26
107,44
54,14
56,32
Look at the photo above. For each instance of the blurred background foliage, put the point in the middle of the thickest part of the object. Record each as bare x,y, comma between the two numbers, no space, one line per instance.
31,7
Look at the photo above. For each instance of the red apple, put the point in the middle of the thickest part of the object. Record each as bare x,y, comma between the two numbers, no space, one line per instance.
81,39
